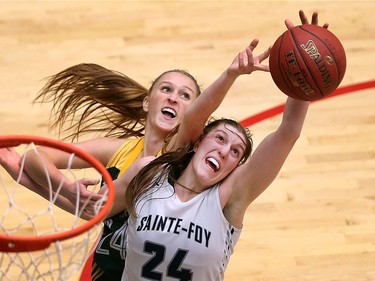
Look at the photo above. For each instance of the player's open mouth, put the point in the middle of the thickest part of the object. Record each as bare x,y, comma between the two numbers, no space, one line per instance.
213,164
171,113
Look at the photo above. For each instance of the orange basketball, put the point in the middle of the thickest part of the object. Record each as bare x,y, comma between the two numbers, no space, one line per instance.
307,62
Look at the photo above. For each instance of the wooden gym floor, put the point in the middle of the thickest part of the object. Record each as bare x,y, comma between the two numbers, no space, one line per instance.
316,222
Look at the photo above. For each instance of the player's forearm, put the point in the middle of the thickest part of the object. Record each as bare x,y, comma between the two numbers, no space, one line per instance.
211,98
48,194
294,117
216,92
43,172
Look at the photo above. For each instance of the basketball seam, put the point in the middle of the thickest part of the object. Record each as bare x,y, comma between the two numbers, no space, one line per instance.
304,61
329,50
282,74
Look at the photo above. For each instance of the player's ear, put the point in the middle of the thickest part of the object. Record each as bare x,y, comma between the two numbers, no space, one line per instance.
197,143
145,104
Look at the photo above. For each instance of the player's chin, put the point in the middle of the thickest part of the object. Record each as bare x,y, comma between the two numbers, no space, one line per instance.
167,125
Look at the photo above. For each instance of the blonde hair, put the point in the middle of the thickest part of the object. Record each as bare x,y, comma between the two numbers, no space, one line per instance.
89,98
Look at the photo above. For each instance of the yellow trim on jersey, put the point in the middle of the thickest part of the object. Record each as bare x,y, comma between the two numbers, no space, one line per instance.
126,154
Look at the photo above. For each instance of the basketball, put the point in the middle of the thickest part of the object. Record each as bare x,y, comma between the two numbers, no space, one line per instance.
307,62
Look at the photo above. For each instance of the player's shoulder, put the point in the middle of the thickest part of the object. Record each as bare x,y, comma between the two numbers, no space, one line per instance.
103,147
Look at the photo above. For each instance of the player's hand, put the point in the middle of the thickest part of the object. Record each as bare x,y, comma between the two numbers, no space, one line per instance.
245,62
10,160
78,192
304,20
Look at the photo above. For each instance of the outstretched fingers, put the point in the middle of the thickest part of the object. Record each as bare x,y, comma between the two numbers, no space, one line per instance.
257,60
289,24
304,20
241,61
265,54
249,51
314,20
254,44
245,62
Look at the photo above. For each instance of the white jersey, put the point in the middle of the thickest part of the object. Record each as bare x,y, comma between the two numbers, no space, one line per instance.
173,240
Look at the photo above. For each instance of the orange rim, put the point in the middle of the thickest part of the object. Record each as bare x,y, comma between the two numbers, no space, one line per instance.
14,243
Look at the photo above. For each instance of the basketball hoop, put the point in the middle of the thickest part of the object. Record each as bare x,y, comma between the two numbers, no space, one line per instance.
39,240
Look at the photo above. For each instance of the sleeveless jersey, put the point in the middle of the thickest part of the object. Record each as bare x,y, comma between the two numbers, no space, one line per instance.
110,252
172,240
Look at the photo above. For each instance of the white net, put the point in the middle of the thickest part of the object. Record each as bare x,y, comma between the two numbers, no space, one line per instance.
26,216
